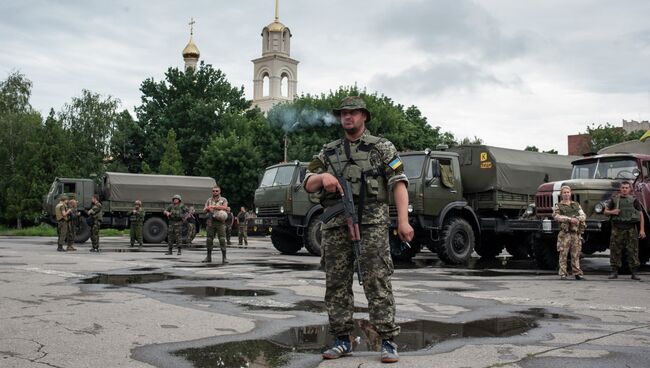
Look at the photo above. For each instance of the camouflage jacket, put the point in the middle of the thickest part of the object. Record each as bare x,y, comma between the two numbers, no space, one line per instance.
137,215
96,212
176,211
220,201
563,214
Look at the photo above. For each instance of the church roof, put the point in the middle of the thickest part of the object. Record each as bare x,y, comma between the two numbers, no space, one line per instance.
276,26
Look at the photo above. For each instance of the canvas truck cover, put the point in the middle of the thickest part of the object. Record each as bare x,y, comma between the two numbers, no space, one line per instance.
156,188
634,146
485,168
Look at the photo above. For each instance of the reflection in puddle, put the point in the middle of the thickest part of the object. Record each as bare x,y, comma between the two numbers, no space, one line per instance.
143,269
123,280
415,335
313,306
210,291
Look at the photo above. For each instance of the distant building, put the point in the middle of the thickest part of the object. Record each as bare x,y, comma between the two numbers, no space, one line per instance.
275,74
579,144
632,126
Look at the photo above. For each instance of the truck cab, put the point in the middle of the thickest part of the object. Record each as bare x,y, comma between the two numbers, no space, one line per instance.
593,181
283,205
80,189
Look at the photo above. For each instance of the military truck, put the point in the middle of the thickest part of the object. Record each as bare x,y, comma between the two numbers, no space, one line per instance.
593,180
474,198
118,191
283,205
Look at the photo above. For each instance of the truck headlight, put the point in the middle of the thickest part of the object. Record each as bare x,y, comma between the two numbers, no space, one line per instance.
281,209
599,207
257,210
410,208
530,210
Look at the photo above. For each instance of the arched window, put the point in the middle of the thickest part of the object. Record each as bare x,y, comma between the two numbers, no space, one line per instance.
265,40
285,40
284,85
265,85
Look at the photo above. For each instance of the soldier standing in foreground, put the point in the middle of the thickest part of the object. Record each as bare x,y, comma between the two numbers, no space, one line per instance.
96,213
216,207
175,213
242,231
372,167
569,240
62,212
137,220
625,213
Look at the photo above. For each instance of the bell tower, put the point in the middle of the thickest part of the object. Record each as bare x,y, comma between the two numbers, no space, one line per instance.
275,74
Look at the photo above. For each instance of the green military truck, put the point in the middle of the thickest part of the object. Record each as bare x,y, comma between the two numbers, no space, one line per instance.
118,191
593,181
474,198
283,205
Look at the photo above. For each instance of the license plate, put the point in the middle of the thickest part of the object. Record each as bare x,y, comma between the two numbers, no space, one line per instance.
259,221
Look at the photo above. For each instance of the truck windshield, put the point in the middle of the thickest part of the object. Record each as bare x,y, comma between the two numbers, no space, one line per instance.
614,168
277,176
413,165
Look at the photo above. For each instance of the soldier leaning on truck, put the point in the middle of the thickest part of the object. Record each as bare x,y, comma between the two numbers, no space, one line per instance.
625,211
136,219
62,212
572,225
360,156
216,206
96,213
175,213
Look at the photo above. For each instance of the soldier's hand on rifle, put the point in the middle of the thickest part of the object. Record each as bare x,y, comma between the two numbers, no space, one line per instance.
405,231
331,183
166,213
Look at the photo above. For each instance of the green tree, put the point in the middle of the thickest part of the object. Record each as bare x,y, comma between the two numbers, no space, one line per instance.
171,162
531,148
606,135
126,146
195,103
468,140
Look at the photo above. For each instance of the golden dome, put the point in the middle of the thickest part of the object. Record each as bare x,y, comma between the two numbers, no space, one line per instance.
191,50
276,26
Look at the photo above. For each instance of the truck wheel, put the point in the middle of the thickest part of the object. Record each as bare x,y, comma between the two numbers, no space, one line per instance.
154,230
457,242
83,232
546,254
399,252
313,236
285,241
489,247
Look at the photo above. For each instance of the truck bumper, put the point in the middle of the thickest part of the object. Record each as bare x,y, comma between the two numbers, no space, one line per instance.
593,226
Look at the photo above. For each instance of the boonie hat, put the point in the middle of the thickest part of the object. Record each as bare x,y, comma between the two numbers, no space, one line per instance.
352,103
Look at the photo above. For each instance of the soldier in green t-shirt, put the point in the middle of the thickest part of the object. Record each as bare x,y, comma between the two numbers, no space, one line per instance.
175,213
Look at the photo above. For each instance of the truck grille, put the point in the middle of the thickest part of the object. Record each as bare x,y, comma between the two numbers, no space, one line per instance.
268,211
544,204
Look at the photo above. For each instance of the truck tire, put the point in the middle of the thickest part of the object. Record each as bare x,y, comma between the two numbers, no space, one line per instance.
489,247
154,230
285,241
457,242
546,254
313,236
83,232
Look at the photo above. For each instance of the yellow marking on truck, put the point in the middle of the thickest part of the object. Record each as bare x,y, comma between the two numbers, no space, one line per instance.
484,156
486,165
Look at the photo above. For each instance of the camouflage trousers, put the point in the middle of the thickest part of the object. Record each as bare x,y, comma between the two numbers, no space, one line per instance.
228,233
377,267
175,234
72,232
219,228
627,239
569,243
94,234
243,234
136,232
62,227
191,232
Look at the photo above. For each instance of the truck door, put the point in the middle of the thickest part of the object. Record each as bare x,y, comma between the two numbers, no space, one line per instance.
301,202
642,187
439,189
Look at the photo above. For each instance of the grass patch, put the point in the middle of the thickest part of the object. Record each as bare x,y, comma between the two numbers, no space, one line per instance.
113,232
40,230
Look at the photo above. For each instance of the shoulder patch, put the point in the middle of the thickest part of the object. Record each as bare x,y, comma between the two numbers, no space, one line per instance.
395,163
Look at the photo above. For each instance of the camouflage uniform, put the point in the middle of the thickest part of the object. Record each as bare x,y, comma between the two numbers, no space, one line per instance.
136,219
215,226
569,240
96,213
242,229
72,223
624,233
189,226
175,228
229,222
62,226
337,252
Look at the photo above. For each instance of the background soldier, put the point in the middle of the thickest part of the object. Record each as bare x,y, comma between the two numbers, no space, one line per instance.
362,158
216,207
175,213
242,219
189,227
72,223
96,213
625,213
136,219
61,211
230,220
572,225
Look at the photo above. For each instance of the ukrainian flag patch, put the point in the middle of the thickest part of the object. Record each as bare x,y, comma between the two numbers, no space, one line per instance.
395,163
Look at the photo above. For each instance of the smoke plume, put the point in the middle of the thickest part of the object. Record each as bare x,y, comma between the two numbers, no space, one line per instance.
290,118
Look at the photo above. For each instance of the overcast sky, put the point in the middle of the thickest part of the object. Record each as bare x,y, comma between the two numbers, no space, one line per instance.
512,72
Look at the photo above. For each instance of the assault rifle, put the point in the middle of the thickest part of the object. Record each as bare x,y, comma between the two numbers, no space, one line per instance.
346,206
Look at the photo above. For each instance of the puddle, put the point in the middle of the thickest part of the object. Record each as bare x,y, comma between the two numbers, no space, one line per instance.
128,279
143,269
415,335
121,250
288,266
313,306
12,264
211,291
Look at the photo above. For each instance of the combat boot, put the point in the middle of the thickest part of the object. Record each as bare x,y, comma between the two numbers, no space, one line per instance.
208,258
634,275
169,251
224,260
614,274
179,251
70,248
60,248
